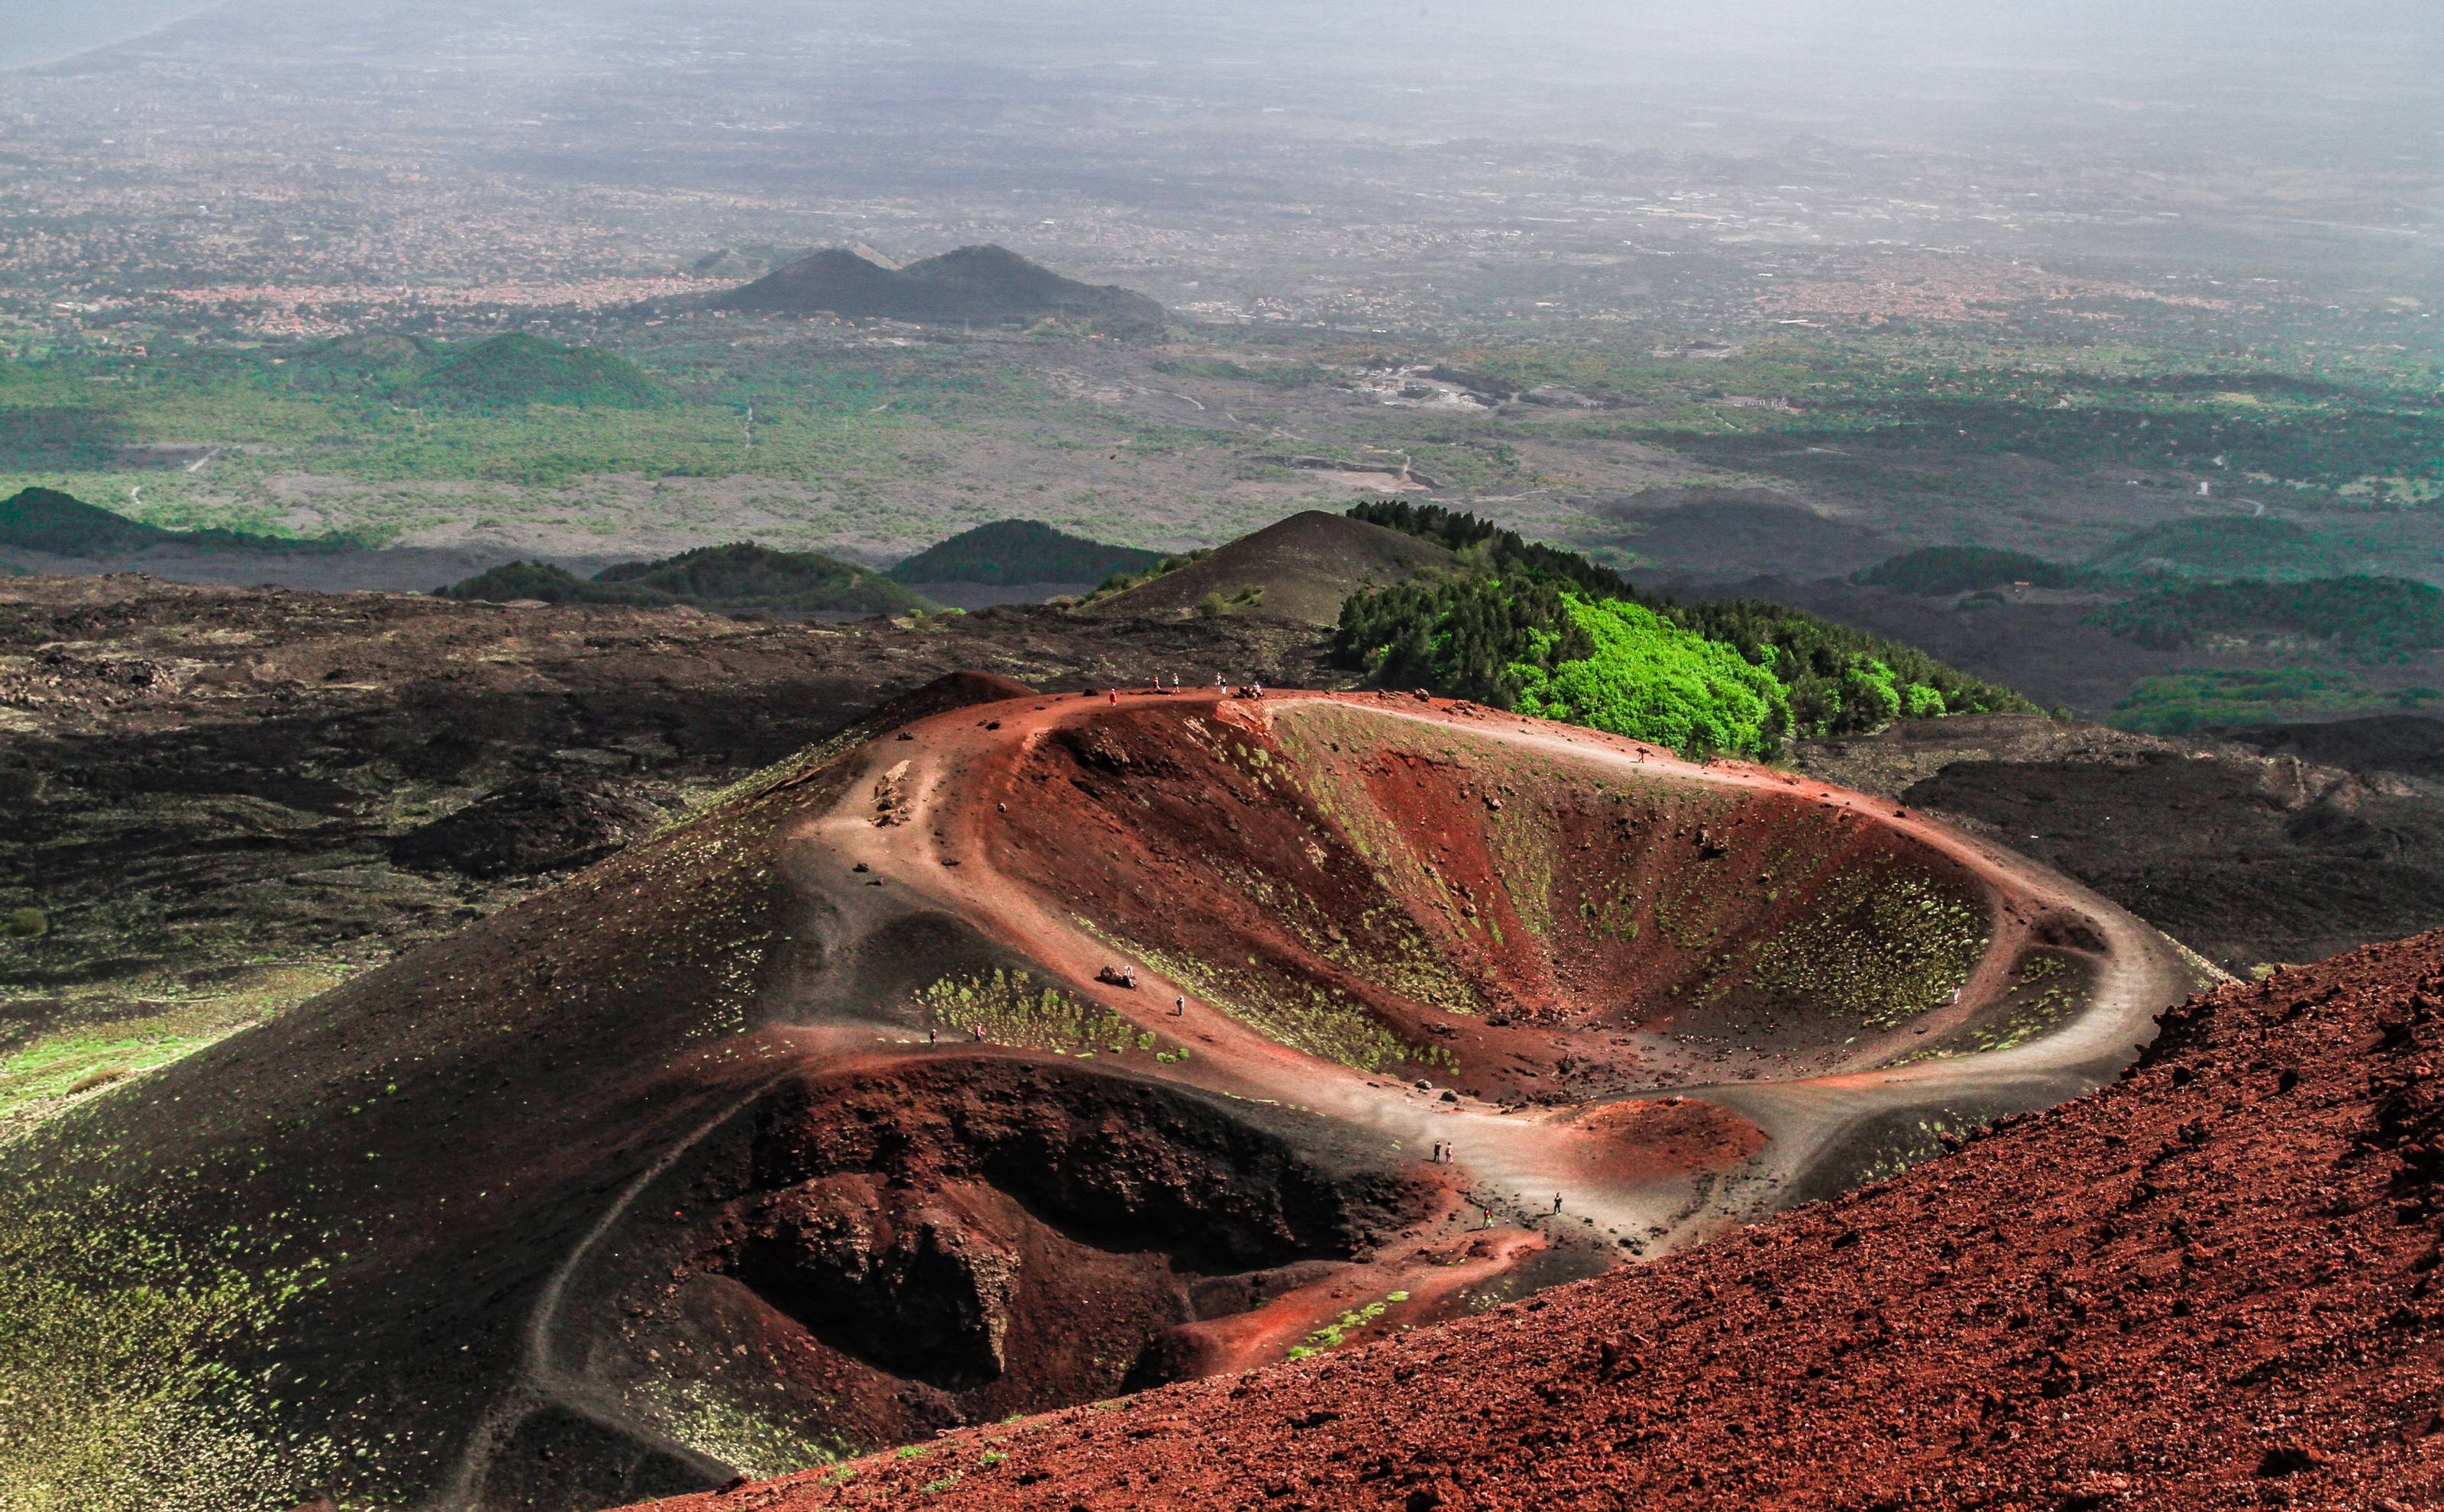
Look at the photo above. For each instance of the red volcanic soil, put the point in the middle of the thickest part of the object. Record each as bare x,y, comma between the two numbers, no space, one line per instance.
2212,1284
1398,889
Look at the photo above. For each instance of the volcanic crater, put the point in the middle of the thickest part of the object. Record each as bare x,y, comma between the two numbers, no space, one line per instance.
1027,1049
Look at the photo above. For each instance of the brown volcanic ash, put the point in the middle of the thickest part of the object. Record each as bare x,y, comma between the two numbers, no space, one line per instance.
2212,1284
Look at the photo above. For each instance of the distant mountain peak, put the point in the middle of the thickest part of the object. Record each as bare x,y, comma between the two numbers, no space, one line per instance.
988,285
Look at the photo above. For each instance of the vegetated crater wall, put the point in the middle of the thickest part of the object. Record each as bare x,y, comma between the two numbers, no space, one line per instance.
1419,899
920,1242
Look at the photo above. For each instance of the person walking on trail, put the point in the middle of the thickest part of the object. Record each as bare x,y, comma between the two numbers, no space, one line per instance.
1180,1007
1129,977
1489,1216
932,1037
1116,696
1557,1202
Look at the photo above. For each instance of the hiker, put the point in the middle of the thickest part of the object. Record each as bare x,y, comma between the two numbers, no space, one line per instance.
1438,1153
1489,1217
933,1036
975,1034
1256,690
1129,977
1116,696
1180,1007
1557,1202
1217,682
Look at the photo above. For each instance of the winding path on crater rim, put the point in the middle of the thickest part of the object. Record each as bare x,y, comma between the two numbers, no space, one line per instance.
960,763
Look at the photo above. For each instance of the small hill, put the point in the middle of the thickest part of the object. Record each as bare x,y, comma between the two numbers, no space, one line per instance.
739,576
745,576
60,525
514,582
1302,568
519,369
988,285
1011,551
1936,571
2221,546
364,362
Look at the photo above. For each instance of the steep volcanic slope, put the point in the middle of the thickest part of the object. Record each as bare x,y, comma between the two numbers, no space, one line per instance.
807,1127
2214,1284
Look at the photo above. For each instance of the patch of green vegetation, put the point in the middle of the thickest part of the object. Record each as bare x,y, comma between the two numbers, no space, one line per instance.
40,1075
2371,618
1007,1007
1936,571
1324,1022
1338,1332
1645,677
2181,702
1491,548
517,370
27,923
757,1445
838,435
1736,675
1121,582
1021,551
112,1398
1903,1145
1881,946
1214,606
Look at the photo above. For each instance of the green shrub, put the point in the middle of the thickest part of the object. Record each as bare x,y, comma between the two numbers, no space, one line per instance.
25,924
1488,634
1021,551
1651,679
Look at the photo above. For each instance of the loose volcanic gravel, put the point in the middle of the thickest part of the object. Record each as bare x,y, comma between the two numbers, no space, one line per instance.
2212,1284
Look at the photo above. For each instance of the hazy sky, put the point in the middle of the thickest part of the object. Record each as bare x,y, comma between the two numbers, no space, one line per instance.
39,30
